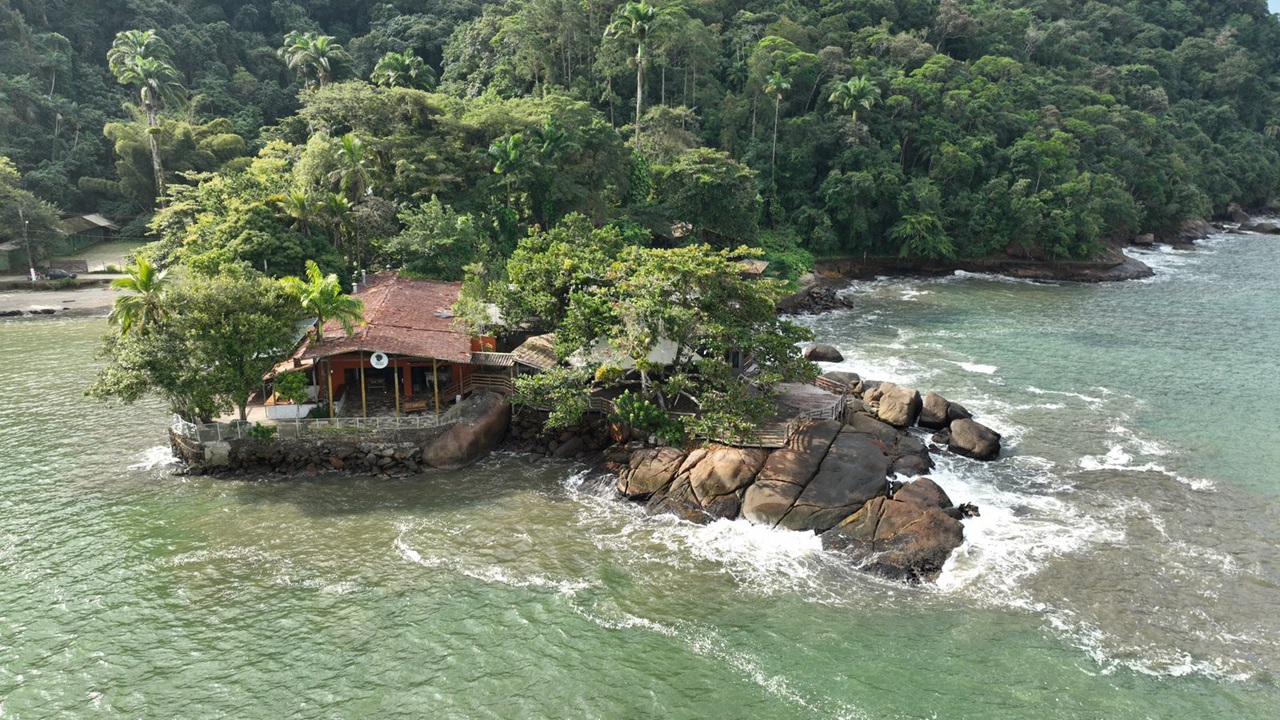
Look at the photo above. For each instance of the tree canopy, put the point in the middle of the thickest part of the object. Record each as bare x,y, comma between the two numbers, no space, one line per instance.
918,128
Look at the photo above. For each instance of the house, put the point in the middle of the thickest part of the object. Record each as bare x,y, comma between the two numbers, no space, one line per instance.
80,231
409,355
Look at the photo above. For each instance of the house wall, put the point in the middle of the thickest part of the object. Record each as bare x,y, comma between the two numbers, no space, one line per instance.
449,375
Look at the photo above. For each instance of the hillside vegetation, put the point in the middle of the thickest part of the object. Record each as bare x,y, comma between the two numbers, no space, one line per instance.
436,135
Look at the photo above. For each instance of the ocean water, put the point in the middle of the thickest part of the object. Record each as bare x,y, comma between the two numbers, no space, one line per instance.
1123,566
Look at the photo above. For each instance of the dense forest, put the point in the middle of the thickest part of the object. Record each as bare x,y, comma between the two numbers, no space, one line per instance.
440,135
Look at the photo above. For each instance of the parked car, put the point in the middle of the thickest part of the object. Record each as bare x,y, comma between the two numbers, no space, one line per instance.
59,274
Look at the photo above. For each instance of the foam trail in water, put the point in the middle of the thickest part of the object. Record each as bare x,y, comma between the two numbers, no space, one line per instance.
154,457
1018,533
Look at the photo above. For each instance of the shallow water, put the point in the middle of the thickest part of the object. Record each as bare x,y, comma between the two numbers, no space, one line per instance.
1122,566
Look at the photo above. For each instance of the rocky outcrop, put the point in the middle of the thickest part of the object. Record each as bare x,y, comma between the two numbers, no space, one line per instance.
1263,228
821,352
649,471
1237,214
484,419
817,294
896,405
973,440
899,540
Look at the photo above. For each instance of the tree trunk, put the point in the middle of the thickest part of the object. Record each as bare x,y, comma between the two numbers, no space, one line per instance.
153,127
639,88
773,156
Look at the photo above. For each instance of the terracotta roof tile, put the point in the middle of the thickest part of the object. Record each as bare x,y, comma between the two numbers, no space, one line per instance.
402,316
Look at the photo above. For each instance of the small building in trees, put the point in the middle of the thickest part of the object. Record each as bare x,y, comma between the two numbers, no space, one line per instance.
409,355
80,231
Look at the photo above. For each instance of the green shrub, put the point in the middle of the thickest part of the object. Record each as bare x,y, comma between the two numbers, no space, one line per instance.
634,411
291,387
262,432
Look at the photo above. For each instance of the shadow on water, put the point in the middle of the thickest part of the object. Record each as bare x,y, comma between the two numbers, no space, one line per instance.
488,482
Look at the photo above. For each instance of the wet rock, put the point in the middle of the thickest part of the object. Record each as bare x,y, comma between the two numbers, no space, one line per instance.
1145,240
667,505
852,473
898,540
1237,214
724,470
899,406
973,440
956,411
821,352
484,419
569,448
649,472
933,412
923,491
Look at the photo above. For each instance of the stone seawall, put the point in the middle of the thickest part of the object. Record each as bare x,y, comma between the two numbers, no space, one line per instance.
391,454
483,422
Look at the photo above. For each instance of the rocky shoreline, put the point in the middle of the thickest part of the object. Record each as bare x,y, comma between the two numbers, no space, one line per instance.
835,478
819,290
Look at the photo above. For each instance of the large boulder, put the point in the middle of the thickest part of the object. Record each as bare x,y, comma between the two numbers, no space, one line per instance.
723,471
898,540
933,411
482,424
899,406
821,352
853,472
923,491
787,472
973,440
649,472
1237,214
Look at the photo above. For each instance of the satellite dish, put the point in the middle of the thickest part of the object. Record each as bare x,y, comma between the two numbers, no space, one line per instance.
378,360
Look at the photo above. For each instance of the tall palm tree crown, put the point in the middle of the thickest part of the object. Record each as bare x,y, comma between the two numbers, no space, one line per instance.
640,22
144,306
140,58
404,70
321,295
855,93
312,55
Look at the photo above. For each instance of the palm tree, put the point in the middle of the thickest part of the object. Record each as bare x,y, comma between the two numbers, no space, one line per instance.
300,209
855,93
776,84
352,175
508,159
1273,129
144,307
336,209
140,58
312,56
404,70
321,295
639,21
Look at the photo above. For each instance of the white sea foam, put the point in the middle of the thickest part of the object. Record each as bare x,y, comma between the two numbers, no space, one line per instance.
155,457
760,558
1118,459
976,367
1018,533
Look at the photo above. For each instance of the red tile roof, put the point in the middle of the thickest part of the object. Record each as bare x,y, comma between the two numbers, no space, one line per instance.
404,317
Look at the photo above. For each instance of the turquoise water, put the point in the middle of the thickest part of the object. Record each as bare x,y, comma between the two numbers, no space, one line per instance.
1123,565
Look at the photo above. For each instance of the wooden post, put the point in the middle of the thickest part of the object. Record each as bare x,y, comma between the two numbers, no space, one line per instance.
328,372
395,380
435,383
364,405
